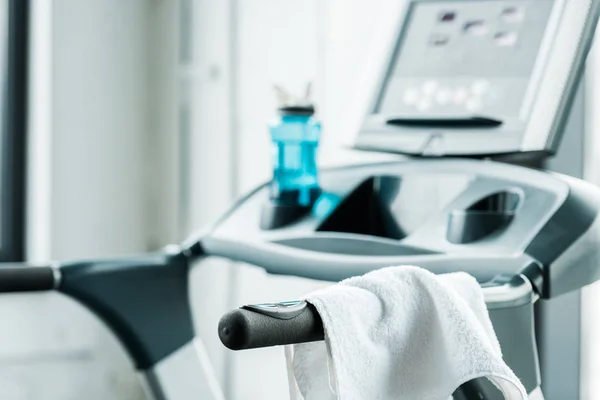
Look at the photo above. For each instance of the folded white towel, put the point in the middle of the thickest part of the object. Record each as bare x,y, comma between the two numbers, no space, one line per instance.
400,333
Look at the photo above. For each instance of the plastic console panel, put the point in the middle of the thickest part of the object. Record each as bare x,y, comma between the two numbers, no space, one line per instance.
406,212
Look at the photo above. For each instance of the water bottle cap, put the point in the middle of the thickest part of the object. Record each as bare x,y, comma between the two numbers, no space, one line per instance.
290,105
297,109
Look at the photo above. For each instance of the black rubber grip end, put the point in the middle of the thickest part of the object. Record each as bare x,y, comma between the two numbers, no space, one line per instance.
233,330
244,329
22,278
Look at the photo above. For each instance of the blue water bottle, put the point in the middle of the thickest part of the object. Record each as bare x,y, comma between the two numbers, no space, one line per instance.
295,135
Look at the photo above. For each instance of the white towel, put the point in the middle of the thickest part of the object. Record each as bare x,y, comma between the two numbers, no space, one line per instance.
400,333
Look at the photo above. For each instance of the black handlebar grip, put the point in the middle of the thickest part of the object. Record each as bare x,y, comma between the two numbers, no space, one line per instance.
16,277
265,325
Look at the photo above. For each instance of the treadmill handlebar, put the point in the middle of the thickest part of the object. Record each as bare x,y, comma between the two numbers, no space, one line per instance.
275,324
21,277
265,325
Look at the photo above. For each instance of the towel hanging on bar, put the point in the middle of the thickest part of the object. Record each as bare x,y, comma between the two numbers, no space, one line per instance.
401,333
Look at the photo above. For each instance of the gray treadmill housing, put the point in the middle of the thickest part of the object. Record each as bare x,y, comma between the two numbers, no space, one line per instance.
513,62
401,213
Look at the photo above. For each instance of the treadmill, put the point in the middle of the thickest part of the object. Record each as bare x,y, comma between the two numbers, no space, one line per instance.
452,96
477,94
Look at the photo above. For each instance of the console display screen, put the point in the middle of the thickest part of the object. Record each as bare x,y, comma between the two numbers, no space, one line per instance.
466,57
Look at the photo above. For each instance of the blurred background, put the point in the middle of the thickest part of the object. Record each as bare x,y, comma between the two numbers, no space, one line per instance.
144,120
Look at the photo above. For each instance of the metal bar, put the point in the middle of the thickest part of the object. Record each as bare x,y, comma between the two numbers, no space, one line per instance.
15,277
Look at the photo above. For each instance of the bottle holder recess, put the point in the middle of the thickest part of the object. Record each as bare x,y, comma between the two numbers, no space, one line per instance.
367,210
488,216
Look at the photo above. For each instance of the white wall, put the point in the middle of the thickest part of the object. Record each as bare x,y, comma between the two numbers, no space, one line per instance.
206,93
103,182
590,299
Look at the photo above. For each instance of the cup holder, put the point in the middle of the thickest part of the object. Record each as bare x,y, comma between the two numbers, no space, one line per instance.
367,210
487,216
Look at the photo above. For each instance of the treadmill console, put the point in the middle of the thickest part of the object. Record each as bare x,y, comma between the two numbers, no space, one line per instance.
479,78
482,217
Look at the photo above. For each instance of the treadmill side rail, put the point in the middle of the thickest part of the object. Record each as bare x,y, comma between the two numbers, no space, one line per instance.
19,277
144,300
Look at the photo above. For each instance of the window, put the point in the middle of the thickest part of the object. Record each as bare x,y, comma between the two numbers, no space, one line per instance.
14,16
